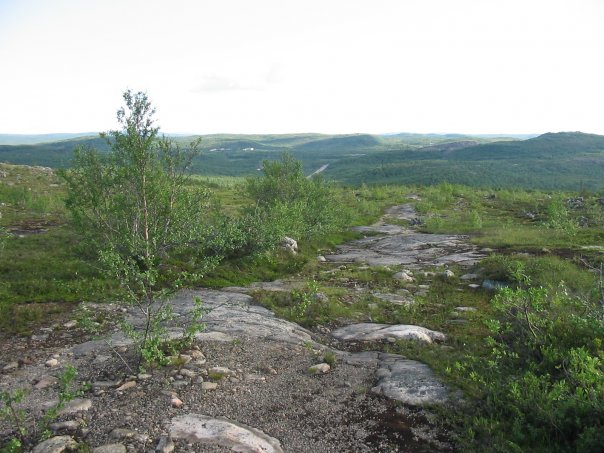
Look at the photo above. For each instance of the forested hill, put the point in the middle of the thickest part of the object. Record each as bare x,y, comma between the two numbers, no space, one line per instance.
567,160
561,144
571,160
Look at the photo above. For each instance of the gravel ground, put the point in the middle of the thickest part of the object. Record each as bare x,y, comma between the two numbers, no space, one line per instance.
271,390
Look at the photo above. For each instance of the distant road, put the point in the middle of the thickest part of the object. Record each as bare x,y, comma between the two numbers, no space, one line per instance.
318,171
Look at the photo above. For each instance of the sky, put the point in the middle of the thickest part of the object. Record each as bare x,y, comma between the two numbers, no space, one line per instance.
285,66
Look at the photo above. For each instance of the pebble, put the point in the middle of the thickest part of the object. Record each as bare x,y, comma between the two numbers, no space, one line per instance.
45,382
165,445
176,402
110,448
126,386
76,405
197,354
51,363
221,370
70,324
448,274
11,366
57,444
185,358
122,433
188,373
144,376
69,425
209,385
320,368
403,276
321,259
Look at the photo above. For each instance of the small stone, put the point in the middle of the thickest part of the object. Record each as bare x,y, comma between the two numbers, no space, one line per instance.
45,382
321,259
70,324
469,277
126,386
165,445
176,402
403,276
473,286
321,297
105,384
76,405
448,274
221,370
320,368
188,373
110,448
209,385
69,425
51,363
185,358
11,366
465,309
197,354
144,377
57,444
122,433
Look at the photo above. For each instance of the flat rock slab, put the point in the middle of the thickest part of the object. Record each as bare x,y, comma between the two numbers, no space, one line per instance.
402,212
379,229
410,382
230,315
408,248
381,332
221,431
57,444
395,299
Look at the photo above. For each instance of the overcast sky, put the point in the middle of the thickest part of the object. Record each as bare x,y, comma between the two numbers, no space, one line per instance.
264,66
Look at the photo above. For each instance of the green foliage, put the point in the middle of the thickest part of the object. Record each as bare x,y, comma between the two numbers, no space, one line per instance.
559,218
290,204
136,207
540,386
10,411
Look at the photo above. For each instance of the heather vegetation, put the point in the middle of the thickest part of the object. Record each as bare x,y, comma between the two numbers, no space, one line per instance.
133,224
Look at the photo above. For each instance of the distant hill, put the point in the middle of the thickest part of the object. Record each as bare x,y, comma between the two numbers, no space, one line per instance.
25,139
566,160
548,145
571,160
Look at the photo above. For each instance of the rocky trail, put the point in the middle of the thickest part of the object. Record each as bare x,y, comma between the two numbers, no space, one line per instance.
252,382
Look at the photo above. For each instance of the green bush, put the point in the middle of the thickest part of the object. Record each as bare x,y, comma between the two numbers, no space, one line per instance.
541,386
286,203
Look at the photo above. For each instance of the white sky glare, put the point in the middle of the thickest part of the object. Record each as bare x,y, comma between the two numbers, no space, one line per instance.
276,66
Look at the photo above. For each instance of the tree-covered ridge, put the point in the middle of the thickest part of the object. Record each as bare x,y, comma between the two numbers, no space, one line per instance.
566,160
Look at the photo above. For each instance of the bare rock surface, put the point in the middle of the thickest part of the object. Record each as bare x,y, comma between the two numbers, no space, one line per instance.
394,299
221,431
386,332
402,246
409,382
57,444
268,391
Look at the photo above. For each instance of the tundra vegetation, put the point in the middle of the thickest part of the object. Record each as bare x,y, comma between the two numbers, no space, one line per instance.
529,361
